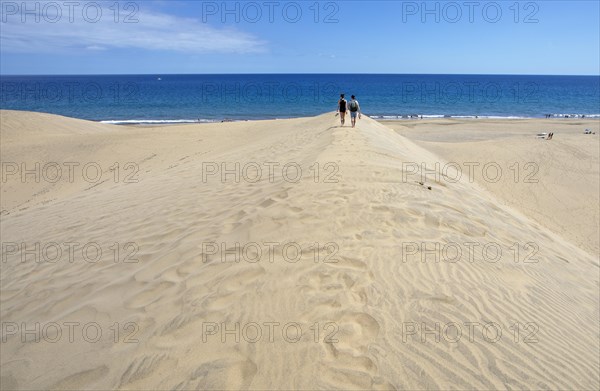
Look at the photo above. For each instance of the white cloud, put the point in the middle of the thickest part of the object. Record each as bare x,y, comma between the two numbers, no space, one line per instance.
152,31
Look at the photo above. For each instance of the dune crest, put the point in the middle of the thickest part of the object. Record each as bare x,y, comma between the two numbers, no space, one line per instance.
276,255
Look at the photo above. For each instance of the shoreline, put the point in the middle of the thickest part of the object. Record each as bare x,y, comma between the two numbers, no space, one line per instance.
384,121
380,118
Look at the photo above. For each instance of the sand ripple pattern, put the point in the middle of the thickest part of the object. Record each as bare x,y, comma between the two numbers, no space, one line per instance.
370,316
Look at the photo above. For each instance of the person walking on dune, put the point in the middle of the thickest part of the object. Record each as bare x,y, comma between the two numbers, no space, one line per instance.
354,110
342,107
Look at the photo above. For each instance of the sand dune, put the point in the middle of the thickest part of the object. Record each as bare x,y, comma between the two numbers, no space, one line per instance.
555,183
320,263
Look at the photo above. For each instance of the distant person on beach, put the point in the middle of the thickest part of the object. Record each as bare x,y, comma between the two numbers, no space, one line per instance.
341,109
354,110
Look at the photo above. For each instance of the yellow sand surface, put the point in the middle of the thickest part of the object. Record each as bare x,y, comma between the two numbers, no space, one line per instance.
292,254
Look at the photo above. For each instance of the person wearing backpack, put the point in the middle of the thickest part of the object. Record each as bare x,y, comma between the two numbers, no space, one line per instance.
354,110
342,107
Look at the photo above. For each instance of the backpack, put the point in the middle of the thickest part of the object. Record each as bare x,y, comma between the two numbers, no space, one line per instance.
354,106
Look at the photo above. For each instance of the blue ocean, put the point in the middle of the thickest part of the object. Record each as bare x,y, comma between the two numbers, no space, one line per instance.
210,98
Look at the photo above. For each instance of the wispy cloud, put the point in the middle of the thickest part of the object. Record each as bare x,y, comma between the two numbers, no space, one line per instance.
156,31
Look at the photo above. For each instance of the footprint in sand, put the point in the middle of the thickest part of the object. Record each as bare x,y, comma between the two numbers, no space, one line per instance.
349,348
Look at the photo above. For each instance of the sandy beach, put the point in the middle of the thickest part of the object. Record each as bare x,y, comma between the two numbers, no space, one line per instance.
555,183
297,254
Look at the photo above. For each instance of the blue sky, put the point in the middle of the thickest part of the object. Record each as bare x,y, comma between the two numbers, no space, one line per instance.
161,37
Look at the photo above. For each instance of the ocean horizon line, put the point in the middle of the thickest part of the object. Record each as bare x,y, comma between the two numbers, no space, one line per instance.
301,73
